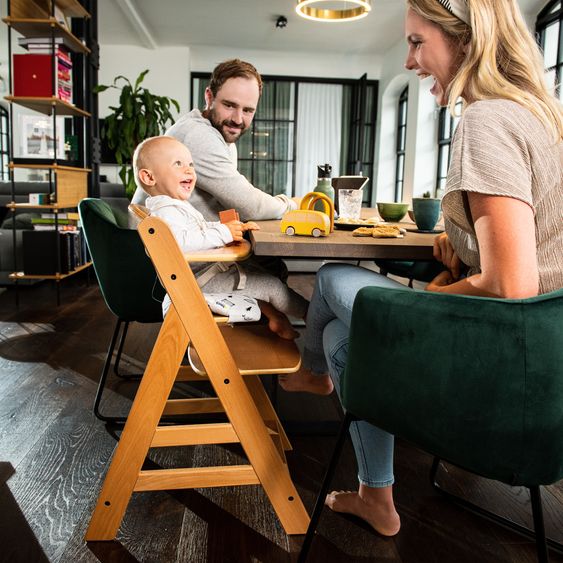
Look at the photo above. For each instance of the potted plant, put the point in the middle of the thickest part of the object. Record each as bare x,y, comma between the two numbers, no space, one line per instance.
140,114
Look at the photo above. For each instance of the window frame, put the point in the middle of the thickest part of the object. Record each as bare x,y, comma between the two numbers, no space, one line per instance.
547,17
401,142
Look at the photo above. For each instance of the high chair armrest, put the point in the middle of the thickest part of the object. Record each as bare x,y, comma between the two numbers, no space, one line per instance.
233,253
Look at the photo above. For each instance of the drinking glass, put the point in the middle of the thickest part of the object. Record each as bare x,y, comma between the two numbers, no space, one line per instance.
349,203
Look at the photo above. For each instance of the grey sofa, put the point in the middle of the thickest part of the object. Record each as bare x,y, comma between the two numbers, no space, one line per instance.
114,194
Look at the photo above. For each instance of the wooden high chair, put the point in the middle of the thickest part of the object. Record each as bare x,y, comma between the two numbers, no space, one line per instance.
227,354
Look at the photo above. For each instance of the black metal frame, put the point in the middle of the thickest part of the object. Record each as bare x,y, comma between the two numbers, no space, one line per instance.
319,504
537,534
401,143
105,372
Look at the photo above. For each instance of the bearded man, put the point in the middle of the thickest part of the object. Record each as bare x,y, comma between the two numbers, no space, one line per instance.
231,99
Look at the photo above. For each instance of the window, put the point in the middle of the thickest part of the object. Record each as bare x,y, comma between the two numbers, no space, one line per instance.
4,145
401,143
446,128
267,152
550,38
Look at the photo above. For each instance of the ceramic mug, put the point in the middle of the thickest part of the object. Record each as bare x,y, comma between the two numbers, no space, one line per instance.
426,212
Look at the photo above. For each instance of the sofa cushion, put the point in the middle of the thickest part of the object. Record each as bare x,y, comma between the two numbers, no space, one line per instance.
23,221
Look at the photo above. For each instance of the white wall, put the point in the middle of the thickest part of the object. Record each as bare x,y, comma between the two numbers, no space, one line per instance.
322,65
169,72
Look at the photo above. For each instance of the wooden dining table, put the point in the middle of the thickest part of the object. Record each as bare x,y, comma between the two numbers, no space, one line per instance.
341,244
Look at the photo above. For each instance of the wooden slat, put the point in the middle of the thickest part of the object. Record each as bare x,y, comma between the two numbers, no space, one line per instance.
194,434
258,351
192,406
53,166
56,277
196,478
186,373
41,27
47,104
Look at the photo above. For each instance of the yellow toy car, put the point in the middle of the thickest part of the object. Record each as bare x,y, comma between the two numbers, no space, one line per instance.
306,221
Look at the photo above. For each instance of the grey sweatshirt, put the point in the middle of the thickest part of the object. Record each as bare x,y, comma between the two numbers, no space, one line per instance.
219,184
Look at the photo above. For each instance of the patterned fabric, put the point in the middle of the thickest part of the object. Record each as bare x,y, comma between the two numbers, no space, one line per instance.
458,8
500,148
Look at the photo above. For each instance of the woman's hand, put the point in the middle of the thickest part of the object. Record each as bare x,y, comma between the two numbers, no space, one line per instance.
444,252
441,280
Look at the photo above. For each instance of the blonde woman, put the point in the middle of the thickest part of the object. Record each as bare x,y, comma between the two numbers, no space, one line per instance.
503,205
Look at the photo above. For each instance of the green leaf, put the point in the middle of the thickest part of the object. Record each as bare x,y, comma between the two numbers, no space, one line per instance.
100,88
140,78
138,115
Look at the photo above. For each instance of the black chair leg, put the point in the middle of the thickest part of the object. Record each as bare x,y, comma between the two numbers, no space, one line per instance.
103,378
342,433
118,357
537,535
541,544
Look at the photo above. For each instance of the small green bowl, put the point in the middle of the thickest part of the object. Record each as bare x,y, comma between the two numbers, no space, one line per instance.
392,212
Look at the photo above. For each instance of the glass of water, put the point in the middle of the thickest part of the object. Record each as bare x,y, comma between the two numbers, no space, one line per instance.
349,203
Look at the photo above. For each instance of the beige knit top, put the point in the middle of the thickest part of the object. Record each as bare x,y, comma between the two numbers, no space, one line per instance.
501,148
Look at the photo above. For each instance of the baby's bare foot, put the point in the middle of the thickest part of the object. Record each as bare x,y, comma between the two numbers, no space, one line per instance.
381,517
303,380
280,325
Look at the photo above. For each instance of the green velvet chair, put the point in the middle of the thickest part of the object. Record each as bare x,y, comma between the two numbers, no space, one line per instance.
424,270
126,276
474,381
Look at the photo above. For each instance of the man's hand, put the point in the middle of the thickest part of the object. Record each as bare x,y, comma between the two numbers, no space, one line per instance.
444,252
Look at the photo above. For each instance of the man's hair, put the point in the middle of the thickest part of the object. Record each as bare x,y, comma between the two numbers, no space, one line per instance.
502,57
233,68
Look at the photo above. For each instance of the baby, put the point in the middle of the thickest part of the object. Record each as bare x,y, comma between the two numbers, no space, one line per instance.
163,167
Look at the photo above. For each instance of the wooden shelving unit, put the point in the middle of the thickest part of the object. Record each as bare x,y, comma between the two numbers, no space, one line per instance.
51,20
48,105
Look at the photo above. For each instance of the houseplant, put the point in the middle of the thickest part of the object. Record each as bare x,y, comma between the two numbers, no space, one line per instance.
140,114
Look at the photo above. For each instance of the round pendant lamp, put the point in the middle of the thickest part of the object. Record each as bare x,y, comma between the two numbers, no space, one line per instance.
333,11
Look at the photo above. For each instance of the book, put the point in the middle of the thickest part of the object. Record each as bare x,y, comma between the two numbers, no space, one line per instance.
45,41
65,215
40,252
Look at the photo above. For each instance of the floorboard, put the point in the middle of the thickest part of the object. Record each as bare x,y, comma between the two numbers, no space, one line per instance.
54,454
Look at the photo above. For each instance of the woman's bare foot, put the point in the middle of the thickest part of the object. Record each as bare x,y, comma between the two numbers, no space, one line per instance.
374,505
304,380
278,322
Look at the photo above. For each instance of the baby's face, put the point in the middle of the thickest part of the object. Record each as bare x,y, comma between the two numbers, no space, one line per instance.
173,169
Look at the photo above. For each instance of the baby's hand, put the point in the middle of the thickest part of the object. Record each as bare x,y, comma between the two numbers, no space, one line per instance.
236,228
250,226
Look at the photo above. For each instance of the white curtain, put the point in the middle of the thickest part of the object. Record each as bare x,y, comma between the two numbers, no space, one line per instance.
319,133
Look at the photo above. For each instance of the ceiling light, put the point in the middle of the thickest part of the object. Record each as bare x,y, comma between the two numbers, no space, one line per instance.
333,10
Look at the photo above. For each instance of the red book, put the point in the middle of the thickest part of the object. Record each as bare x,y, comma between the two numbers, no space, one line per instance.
33,76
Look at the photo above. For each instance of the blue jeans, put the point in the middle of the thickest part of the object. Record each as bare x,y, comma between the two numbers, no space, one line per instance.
326,349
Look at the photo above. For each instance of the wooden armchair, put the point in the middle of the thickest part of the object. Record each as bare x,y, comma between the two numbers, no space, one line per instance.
227,353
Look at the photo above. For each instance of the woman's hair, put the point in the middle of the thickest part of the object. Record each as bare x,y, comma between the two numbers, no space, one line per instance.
502,58
233,68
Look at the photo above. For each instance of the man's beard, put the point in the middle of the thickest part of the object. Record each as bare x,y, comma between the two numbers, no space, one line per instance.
219,125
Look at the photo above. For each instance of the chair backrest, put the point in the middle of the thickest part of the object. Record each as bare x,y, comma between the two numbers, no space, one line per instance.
125,273
475,381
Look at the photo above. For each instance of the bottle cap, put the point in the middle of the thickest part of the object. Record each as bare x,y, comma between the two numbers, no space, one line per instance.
324,171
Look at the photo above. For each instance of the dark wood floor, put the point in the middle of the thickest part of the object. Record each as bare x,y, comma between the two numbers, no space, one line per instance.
54,453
